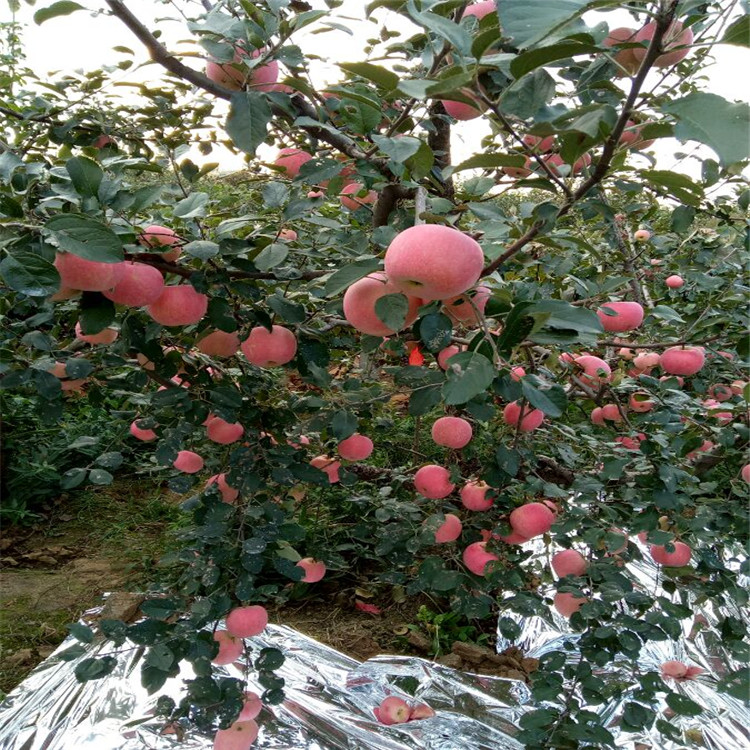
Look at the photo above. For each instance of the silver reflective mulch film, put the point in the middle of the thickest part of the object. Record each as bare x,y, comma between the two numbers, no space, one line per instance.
330,697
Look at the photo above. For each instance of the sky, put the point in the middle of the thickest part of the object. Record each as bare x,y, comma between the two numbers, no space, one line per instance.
85,40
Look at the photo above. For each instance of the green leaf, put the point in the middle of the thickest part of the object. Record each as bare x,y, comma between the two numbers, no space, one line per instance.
423,399
710,119
736,683
159,609
347,275
594,121
378,75
82,633
30,274
738,32
344,424
468,375
392,309
275,193
435,331
85,174
72,478
526,96
518,325
78,367
85,237
94,669
110,460
247,123
527,23
677,185
490,161
398,149
456,35
287,310
99,476
561,315
202,249
528,61
269,659
271,256
683,705
192,207
62,8
97,312
552,401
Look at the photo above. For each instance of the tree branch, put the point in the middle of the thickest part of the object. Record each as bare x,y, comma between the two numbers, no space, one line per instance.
389,196
663,22
439,140
167,60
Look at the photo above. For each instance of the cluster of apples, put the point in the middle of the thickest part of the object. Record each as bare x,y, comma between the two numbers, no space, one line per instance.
393,710
634,43
425,263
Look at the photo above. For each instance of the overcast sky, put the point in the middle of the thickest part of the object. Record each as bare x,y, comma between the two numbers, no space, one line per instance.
85,41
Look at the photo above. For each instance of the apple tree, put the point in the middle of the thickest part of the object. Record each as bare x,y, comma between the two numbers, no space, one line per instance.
497,380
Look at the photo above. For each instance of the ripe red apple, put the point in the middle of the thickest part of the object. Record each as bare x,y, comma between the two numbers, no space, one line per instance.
676,39
646,360
314,569
329,466
228,494
86,275
102,141
626,353
269,349
445,354
219,344
145,435
225,433
567,604
611,412
178,306
678,558
236,76
359,305
239,736
290,160
188,462
356,447
481,9
745,473
139,285
595,370
674,281
449,530
628,316
287,235
107,336
530,419
474,496
392,710
640,402
628,63
556,163
517,373
476,558
531,519
433,261
631,137
641,235
155,236
597,417
569,562
245,622
704,447
433,482
421,710
230,648
350,196
462,111
518,173
461,310
540,145
631,443
720,392
452,432
251,707
682,360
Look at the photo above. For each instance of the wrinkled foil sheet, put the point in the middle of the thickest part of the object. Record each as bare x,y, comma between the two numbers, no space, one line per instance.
330,696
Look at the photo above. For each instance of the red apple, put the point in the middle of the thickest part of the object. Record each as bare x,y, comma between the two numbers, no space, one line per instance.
269,349
452,432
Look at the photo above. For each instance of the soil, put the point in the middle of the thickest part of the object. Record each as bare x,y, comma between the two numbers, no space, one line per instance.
110,539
